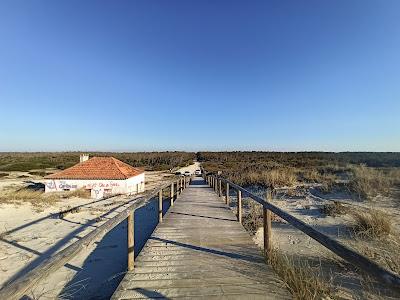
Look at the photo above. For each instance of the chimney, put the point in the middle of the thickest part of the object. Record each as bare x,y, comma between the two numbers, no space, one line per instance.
83,157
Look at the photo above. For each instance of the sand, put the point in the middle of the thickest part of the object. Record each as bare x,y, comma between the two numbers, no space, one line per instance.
29,235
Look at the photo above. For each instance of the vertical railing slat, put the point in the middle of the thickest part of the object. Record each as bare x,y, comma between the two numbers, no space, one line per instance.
239,206
160,205
227,194
267,226
131,240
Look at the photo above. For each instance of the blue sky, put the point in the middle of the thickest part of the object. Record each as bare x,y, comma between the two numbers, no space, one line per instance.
200,75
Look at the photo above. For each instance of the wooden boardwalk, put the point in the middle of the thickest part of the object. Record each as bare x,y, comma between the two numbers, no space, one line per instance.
200,250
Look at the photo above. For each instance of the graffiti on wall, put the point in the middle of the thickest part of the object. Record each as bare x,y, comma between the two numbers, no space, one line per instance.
62,185
101,185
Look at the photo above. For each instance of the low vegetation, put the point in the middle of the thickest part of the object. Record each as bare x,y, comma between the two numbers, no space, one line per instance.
385,254
253,217
39,198
366,175
368,183
371,224
334,209
26,161
303,281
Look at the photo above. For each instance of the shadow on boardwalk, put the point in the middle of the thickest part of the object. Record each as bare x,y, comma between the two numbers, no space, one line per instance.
105,267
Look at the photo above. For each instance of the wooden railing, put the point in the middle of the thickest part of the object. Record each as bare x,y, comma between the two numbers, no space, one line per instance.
349,255
19,287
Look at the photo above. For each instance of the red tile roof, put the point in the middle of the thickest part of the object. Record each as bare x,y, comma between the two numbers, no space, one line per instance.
98,168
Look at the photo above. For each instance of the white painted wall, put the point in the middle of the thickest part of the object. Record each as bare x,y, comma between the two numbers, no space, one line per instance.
99,188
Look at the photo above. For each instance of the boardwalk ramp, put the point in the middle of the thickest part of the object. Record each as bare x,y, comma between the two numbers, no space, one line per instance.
200,251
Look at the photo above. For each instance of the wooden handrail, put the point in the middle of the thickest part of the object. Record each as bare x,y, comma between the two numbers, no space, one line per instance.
18,287
336,247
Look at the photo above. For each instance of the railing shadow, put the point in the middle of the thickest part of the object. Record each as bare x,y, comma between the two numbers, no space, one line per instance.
106,265
57,246
200,216
233,255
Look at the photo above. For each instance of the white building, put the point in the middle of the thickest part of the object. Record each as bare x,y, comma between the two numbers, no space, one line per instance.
103,176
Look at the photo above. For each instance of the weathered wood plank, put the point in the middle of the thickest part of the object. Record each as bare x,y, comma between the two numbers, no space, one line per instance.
200,250
131,240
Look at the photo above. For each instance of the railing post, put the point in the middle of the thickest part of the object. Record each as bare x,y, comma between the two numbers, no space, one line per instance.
131,241
227,194
172,194
239,206
220,188
160,205
267,226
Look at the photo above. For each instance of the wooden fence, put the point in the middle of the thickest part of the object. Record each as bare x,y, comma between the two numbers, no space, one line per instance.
20,286
349,255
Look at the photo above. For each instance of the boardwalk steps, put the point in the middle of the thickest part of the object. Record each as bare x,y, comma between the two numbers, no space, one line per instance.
200,250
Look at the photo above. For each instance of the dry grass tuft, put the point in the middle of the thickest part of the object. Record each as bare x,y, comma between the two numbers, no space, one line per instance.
253,218
368,183
39,198
334,209
303,281
394,176
277,177
385,254
326,179
372,224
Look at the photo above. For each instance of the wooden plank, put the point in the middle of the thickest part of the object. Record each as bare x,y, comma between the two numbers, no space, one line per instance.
131,241
267,226
172,194
239,206
196,250
267,231
227,193
160,206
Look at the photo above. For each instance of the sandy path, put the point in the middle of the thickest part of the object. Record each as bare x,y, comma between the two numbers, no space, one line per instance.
191,168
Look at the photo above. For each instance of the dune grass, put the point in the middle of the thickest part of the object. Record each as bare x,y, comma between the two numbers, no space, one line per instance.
302,280
371,224
39,198
368,183
334,209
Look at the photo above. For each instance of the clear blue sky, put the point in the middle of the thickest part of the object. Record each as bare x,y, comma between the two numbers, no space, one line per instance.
200,75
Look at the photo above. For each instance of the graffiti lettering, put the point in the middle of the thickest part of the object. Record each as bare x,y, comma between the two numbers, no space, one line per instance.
65,185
